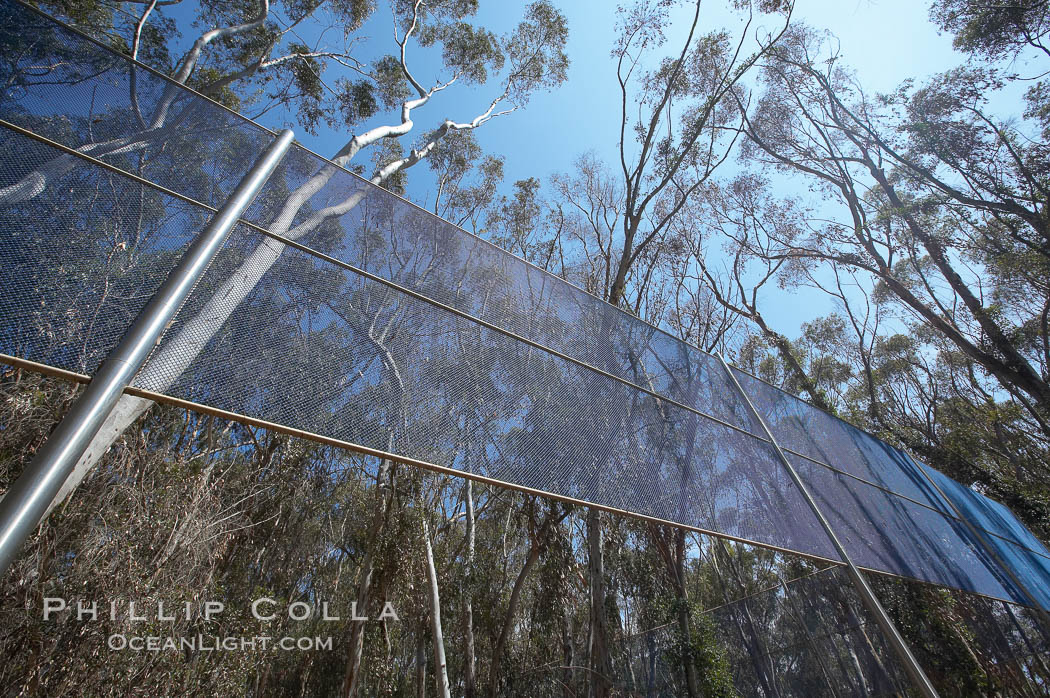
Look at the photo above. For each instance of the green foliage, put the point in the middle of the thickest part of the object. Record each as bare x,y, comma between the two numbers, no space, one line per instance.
351,14
993,30
357,101
306,80
203,78
468,51
703,648
930,622
390,81
456,159
536,51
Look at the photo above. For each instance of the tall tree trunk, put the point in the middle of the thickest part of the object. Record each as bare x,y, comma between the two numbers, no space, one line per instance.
508,618
598,637
862,680
750,635
421,663
384,500
468,602
567,652
440,666
684,629
871,655
1010,364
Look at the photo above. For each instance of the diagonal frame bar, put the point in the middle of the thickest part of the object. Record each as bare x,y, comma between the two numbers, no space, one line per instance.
27,500
867,595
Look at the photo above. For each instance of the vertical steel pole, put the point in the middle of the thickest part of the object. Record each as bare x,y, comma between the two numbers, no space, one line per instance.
26,502
867,596
1041,612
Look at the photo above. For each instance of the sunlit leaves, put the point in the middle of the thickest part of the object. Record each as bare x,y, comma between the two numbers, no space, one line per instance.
357,100
390,82
469,51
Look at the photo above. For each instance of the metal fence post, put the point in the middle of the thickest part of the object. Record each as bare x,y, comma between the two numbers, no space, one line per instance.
29,497
867,596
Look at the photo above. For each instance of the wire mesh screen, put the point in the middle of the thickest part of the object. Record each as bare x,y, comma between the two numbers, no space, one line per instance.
64,87
888,513
807,431
967,644
810,636
325,350
364,226
82,261
1014,545
1009,640
398,332
106,107
886,532
988,514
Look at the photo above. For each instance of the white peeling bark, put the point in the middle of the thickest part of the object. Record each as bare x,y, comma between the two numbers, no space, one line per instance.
468,603
189,61
440,670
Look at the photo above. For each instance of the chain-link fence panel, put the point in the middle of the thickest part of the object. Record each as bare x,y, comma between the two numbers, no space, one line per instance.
807,637
884,532
368,228
807,431
887,513
70,90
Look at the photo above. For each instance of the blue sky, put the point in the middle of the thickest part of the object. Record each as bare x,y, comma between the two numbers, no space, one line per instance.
885,42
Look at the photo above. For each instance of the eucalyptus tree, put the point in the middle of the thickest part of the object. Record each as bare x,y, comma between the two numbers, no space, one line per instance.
943,206
467,180
683,128
750,222
541,532
913,387
995,30
587,208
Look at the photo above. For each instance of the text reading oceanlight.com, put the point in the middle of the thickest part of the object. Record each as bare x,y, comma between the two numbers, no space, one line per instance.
212,643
